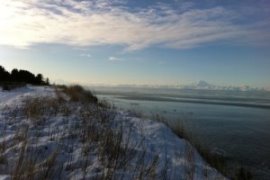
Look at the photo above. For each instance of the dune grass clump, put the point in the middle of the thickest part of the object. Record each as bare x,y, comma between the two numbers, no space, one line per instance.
78,93
41,108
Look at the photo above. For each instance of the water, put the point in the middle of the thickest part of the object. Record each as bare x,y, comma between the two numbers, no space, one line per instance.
236,124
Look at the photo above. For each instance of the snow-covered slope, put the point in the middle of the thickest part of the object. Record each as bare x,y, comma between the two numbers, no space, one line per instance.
73,143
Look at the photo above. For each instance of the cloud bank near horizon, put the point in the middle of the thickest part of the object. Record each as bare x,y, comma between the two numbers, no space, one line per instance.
24,23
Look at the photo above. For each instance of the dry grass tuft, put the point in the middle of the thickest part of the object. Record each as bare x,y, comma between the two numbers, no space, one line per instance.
78,93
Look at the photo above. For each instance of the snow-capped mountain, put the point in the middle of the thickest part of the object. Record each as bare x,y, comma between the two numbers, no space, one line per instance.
203,85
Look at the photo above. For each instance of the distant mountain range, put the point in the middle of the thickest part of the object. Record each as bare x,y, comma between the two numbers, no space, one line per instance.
203,85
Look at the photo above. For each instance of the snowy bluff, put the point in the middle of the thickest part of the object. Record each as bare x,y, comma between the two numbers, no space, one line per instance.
44,134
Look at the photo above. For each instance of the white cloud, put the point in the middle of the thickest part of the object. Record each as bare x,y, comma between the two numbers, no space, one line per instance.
85,23
114,59
86,55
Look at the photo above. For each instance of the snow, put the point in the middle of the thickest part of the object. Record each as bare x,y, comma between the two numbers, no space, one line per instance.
176,158
9,98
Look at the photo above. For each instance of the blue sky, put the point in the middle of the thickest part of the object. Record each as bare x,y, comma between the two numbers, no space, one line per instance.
164,42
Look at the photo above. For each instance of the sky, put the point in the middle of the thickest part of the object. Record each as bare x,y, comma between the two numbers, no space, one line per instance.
142,42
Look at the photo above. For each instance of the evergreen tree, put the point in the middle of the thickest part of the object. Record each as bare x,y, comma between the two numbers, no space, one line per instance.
15,75
21,76
4,75
39,79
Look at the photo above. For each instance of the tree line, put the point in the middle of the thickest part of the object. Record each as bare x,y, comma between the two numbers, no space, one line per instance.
21,76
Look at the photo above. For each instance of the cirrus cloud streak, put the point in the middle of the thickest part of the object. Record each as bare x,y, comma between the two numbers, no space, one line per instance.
24,23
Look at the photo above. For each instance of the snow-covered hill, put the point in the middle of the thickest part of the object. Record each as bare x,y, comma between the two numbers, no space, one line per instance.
43,134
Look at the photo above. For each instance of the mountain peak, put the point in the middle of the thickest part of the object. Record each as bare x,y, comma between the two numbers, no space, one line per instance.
203,84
